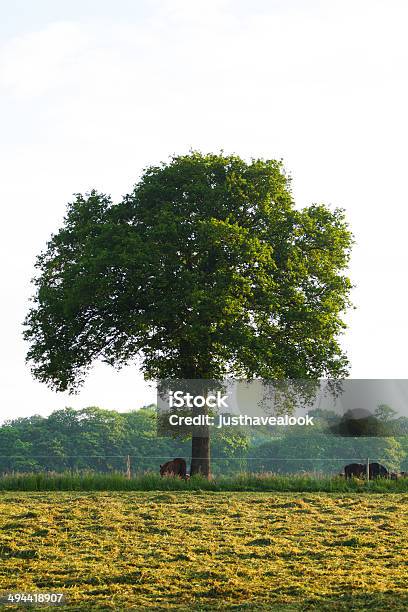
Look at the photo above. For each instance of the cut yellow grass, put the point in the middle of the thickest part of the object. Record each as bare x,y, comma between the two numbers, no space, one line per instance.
207,550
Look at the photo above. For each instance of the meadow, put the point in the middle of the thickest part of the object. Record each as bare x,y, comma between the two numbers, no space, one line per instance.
150,481
207,550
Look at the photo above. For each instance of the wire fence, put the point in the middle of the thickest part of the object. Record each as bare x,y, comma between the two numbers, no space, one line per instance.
133,464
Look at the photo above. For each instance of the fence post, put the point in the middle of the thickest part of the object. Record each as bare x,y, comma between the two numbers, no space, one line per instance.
368,469
128,472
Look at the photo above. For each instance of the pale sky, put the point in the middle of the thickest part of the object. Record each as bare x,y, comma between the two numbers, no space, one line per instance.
93,91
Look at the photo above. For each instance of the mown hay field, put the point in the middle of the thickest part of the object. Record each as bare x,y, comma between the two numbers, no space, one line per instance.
207,550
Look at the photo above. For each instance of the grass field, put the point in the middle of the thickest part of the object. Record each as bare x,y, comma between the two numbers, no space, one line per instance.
207,550
150,481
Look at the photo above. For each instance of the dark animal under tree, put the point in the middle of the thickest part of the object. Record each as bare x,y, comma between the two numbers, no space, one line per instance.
378,471
176,467
358,470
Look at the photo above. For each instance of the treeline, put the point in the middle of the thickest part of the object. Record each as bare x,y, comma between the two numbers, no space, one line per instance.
102,440
97,439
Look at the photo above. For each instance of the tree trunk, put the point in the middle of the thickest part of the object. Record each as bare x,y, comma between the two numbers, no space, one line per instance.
200,455
200,439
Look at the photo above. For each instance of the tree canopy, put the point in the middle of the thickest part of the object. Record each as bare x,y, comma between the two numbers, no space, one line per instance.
205,270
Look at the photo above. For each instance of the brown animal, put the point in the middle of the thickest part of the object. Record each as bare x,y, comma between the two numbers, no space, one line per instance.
358,470
378,471
176,467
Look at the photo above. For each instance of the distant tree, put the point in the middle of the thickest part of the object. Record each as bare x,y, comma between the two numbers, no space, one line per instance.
359,423
15,453
207,269
318,451
101,440
385,413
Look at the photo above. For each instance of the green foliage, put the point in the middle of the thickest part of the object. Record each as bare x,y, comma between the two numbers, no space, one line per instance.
206,269
322,453
100,440
385,413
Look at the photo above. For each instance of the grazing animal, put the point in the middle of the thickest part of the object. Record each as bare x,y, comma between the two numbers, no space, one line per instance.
176,467
393,475
378,471
403,474
355,469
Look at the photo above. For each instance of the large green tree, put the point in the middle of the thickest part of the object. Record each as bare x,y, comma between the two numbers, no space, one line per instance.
205,270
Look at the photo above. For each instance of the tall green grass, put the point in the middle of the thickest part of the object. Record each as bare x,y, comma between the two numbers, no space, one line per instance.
149,481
